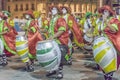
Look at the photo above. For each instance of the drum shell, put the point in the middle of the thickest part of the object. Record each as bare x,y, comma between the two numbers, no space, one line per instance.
48,54
1,47
105,54
22,48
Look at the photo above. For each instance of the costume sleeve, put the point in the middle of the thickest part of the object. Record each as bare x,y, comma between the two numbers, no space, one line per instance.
46,24
62,24
33,29
115,26
6,29
70,21
11,22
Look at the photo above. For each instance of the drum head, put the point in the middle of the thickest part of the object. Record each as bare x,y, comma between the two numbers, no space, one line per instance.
21,38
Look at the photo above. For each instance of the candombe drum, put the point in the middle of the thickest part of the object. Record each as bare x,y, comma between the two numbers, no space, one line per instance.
1,47
88,40
48,54
105,54
22,47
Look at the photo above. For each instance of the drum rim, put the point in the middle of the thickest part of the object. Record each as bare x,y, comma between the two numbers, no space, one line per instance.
45,41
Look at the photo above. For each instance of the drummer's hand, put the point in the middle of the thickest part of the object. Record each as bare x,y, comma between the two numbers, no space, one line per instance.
50,38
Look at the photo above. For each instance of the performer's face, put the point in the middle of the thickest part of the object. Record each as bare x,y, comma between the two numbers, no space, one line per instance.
106,13
64,11
6,14
54,11
119,11
27,16
0,19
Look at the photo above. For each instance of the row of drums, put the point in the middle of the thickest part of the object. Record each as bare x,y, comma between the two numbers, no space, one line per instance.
48,52
49,55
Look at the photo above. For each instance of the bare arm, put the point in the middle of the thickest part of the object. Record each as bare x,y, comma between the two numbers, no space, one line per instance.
3,32
56,35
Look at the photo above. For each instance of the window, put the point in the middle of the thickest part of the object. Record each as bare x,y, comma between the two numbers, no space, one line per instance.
9,8
32,7
16,7
26,7
21,7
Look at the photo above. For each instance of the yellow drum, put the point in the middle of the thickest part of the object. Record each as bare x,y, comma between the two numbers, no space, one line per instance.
105,54
22,48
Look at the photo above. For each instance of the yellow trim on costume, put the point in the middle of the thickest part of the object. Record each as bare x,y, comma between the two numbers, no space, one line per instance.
45,22
70,23
11,22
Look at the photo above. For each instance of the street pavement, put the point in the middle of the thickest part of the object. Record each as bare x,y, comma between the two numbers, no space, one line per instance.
77,71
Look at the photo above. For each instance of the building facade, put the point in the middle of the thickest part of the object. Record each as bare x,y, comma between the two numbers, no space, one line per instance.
18,7
2,5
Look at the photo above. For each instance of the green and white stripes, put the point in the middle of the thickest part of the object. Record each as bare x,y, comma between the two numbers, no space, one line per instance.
48,54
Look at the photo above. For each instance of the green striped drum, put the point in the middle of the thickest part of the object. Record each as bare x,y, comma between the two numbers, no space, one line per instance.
105,54
22,48
48,54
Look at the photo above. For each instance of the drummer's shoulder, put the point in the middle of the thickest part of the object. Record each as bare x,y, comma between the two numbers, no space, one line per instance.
61,19
33,22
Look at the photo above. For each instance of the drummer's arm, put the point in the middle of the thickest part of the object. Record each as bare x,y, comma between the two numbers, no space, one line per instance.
113,27
43,30
59,33
5,31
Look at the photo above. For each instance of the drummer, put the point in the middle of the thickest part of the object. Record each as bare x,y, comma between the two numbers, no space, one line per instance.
74,30
33,35
8,38
58,30
109,27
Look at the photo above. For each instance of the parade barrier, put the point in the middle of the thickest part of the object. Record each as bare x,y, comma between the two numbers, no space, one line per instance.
48,54
105,54
22,48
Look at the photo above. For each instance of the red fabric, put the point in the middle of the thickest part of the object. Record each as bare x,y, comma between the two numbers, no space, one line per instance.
65,35
106,7
10,38
114,37
33,38
77,33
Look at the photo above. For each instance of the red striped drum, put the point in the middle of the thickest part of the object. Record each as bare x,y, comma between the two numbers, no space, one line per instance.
22,48
48,54
105,54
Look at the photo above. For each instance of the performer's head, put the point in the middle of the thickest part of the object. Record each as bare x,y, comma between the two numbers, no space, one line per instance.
54,10
6,14
65,10
106,10
1,16
88,15
29,15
